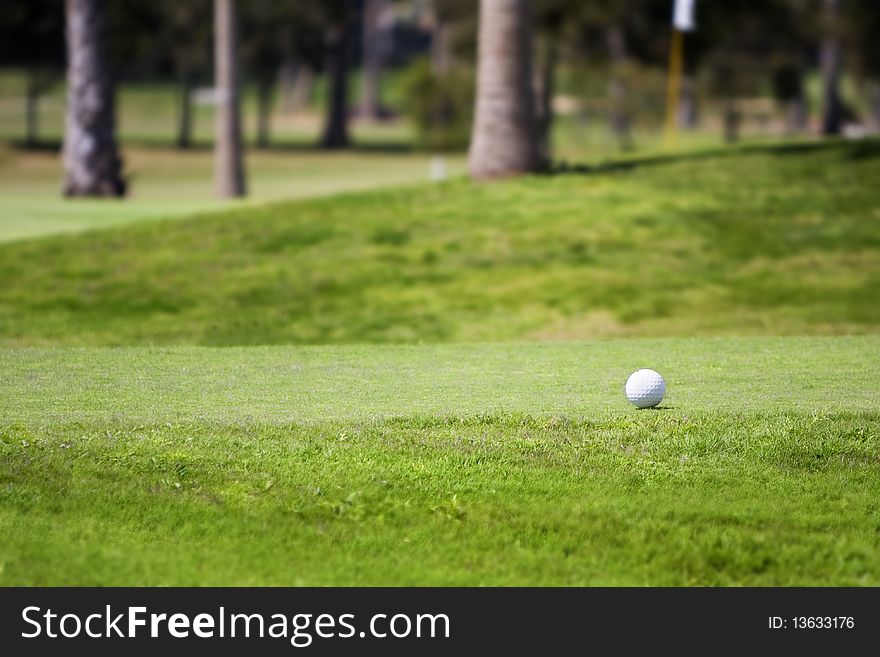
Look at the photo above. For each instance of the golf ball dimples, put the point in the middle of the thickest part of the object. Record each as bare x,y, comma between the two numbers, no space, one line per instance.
645,388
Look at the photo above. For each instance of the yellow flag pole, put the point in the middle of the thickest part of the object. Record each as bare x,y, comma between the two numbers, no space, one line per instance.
673,87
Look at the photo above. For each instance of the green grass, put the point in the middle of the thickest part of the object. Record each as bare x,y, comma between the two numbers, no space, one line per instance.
455,464
508,458
766,240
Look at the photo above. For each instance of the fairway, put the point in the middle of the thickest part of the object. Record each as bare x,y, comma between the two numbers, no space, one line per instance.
517,464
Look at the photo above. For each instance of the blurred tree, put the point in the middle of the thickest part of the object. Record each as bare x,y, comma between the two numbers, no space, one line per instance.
550,20
788,89
186,36
288,70
92,164
298,37
300,56
441,107
689,105
228,156
453,27
299,94
377,20
736,42
441,46
796,24
266,39
505,138
339,18
620,40
615,19
832,107
439,88
618,91
863,23
32,36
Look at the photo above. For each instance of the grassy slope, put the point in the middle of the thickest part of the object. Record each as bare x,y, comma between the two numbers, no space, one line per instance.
769,240
458,464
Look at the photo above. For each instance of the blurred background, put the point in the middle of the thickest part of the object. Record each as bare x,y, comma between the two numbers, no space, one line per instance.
348,94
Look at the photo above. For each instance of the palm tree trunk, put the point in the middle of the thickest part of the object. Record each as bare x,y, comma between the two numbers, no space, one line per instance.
688,108
303,87
441,48
544,91
92,164
617,91
373,56
264,113
874,101
286,80
184,125
832,108
32,99
228,158
337,47
796,116
505,136
732,119
287,70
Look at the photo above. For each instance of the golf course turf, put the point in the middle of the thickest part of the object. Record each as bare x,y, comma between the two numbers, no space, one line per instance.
424,385
447,464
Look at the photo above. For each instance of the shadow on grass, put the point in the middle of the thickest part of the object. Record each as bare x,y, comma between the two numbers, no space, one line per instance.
390,147
42,146
855,150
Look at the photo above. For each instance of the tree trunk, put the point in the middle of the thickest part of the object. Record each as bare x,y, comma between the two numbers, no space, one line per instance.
264,113
732,118
184,125
544,91
92,164
505,136
874,103
373,43
441,48
688,109
286,84
287,70
303,87
32,99
337,47
796,116
228,158
832,108
617,90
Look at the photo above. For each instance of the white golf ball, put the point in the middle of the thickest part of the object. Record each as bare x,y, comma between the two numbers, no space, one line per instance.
645,388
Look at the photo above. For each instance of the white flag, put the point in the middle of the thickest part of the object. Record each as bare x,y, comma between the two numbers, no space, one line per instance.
683,15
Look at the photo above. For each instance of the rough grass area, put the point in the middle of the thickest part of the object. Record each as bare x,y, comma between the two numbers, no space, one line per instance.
459,464
781,240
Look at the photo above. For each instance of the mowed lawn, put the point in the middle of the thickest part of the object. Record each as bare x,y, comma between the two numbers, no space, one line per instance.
448,464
